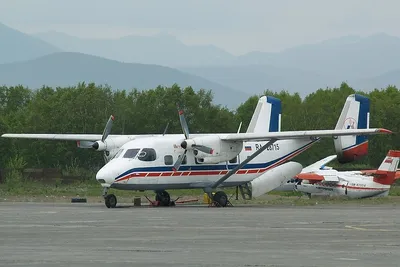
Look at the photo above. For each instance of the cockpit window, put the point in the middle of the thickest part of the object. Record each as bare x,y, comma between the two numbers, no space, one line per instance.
118,153
147,154
131,153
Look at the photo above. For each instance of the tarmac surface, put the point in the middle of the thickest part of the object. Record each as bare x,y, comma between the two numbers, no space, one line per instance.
84,234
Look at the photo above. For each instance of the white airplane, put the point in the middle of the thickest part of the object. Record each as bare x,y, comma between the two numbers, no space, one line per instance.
323,180
210,161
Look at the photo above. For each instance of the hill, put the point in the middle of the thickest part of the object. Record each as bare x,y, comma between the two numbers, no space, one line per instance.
346,58
303,68
160,49
67,68
379,81
18,46
253,78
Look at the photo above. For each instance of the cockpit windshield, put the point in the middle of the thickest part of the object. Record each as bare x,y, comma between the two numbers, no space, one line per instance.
118,154
131,153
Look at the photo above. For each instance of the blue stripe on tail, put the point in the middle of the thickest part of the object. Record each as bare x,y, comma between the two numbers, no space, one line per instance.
276,110
362,117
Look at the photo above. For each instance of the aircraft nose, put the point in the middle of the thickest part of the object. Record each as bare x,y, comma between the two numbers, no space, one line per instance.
106,175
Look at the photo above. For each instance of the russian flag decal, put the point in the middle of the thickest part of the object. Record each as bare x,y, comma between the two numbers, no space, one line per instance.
247,148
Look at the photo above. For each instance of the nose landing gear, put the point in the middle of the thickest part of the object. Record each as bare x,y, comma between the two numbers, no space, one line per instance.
109,199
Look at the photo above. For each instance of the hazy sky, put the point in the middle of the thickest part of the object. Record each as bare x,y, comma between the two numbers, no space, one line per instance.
236,26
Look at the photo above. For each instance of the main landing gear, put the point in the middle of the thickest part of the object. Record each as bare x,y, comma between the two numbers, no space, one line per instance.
219,199
163,199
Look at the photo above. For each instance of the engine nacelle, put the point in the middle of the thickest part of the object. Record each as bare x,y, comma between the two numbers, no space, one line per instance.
222,150
111,143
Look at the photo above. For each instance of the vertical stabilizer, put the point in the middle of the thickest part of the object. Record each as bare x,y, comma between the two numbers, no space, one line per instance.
267,116
386,172
354,115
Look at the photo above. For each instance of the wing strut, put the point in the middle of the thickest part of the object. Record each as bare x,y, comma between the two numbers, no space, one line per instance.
234,170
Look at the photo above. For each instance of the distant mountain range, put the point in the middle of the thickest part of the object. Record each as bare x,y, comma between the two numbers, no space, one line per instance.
303,69
161,49
18,46
68,69
363,62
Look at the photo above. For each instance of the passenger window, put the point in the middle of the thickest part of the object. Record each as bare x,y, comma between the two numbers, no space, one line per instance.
131,153
234,160
147,154
168,160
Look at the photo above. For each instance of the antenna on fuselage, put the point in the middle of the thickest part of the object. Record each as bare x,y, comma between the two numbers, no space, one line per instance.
165,130
240,127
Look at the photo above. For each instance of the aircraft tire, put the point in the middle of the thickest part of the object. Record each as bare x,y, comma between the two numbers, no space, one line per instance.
164,198
110,201
221,198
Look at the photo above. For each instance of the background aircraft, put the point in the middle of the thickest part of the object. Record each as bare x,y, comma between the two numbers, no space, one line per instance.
210,161
324,180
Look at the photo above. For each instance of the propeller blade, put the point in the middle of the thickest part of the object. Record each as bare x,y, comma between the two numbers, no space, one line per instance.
184,125
107,129
179,161
204,149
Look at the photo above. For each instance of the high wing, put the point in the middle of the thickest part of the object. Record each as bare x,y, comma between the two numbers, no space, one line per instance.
302,134
319,164
71,137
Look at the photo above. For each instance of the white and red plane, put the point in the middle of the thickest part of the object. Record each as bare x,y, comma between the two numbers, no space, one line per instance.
353,184
210,161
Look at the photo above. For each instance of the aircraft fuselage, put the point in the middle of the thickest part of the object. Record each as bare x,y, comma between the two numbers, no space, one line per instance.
131,173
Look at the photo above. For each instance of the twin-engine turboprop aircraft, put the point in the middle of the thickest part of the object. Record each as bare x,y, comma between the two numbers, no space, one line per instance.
353,184
210,161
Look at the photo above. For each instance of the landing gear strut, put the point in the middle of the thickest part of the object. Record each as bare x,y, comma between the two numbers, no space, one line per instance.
110,200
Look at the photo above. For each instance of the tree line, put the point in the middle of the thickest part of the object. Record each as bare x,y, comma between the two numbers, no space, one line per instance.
85,108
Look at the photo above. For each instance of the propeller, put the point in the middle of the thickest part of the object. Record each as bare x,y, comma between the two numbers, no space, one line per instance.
96,145
106,132
188,143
